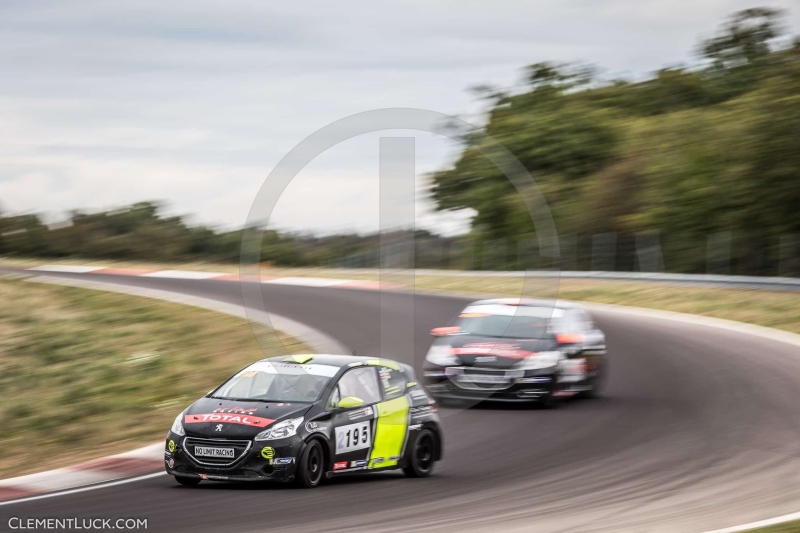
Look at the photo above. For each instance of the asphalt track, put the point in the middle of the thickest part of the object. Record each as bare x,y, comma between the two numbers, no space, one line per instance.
698,429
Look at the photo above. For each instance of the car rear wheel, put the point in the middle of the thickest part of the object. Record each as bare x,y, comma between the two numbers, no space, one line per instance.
311,466
188,481
423,454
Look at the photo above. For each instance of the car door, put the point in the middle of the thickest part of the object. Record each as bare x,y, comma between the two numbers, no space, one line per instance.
391,430
584,357
354,427
594,345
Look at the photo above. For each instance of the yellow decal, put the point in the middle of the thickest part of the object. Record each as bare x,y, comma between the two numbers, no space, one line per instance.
171,446
384,362
268,453
390,432
302,359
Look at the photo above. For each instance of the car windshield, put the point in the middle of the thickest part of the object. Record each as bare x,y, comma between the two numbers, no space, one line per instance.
277,382
518,322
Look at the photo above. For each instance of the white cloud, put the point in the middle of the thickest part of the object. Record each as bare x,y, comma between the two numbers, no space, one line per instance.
194,102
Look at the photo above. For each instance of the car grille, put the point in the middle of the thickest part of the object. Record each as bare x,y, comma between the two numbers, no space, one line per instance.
482,378
240,448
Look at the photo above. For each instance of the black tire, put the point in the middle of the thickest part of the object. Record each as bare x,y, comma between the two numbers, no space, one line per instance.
550,400
597,384
423,454
188,481
311,466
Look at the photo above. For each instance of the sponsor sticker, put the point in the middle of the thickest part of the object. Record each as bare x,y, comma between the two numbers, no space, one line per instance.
283,461
394,458
230,418
171,463
355,464
311,427
236,410
422,410
171,445
361,413
495,349
377,460
206,451
340,465
268,453
414,427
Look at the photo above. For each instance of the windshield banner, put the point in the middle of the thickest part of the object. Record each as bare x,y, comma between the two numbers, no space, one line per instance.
254,421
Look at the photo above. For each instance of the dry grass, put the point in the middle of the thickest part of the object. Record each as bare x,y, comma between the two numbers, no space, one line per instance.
773,309
87,373
788,527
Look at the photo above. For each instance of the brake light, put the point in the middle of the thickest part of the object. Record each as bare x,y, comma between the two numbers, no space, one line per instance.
569,338
442,332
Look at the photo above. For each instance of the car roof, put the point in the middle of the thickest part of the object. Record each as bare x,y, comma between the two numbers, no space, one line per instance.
530,302
328,359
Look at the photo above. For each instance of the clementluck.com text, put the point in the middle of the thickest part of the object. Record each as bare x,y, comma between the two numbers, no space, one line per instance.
17,523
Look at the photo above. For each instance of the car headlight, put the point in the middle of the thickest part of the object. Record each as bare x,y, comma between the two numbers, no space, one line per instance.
440,355
539,361
177,426
281,430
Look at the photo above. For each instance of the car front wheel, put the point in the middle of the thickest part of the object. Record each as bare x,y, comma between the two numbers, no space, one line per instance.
311,466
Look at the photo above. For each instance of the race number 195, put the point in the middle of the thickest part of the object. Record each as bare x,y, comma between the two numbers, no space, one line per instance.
353,437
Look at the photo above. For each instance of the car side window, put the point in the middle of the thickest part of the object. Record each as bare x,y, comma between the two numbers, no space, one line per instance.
361,383
393,382
588,322
575,321
333,401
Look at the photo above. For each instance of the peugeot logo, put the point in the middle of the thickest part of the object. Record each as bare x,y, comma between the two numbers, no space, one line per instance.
219,427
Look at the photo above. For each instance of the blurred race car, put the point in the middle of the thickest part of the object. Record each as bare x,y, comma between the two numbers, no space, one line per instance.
302,418
515,350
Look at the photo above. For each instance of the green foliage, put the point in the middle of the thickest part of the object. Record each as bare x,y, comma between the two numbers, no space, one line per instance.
686,153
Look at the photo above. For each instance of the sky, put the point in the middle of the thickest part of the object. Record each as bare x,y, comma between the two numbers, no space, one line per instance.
193,103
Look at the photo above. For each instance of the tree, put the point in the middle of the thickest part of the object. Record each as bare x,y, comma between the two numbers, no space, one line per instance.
741,51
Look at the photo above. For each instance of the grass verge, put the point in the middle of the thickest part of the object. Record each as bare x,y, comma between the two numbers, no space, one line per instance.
87,373
788,527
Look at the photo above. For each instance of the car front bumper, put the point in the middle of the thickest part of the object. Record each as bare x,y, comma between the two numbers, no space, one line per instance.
262,460
530,386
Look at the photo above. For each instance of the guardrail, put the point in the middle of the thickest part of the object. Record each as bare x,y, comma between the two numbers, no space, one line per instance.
750,282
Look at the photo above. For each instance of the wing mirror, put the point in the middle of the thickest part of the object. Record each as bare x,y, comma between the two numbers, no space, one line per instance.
350,401
443,332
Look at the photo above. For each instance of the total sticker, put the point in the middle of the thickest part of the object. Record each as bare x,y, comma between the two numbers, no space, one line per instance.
353,437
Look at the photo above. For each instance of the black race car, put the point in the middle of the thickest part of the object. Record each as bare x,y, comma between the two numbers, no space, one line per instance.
517,350
302,418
